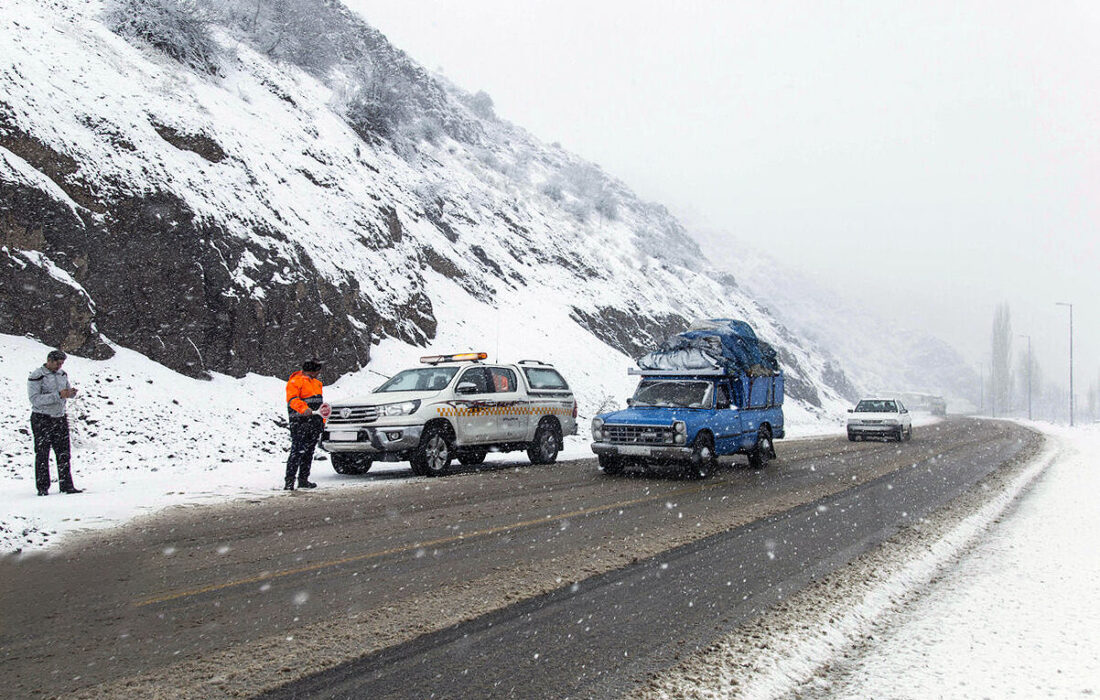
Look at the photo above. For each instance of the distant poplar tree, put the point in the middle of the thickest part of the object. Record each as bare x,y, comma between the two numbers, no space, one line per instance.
1001,381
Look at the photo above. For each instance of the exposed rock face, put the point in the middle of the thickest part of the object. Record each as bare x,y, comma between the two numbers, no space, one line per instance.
162,285
629,331
38,305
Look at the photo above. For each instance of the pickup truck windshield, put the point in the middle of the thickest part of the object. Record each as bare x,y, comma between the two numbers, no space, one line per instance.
421,379
876,407
686,394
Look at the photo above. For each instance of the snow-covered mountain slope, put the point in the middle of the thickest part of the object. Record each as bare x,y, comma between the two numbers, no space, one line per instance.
238,219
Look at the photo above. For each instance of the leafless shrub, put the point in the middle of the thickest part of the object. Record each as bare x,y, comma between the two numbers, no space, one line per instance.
179,28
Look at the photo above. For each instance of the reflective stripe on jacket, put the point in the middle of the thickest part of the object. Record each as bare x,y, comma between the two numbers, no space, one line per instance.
302,392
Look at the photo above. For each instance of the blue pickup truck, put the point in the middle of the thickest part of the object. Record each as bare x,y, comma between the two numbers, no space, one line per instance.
714,389
688,419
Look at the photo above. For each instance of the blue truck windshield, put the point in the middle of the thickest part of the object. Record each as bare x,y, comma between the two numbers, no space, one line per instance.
677,393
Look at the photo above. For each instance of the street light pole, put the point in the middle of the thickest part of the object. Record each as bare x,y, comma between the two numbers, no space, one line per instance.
1028,374
1062,303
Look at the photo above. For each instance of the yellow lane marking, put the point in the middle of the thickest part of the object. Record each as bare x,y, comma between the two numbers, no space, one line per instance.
420,545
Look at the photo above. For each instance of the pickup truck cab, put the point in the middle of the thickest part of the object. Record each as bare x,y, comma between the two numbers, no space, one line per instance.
688,420
455,406
880,418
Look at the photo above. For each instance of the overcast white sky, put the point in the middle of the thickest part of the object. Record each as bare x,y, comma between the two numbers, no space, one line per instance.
933,158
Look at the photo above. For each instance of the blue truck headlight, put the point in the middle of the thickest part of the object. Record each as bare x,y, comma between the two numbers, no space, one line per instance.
597,429
400,409
679,432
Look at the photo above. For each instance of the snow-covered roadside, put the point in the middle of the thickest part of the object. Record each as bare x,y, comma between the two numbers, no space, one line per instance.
1018,617
936,610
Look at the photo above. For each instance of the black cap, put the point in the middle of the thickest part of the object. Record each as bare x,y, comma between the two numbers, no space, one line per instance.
313,365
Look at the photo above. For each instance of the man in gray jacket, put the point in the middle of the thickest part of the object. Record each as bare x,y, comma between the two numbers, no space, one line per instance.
48,388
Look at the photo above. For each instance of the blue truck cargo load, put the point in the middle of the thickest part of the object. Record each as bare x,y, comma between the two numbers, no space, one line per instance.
716,343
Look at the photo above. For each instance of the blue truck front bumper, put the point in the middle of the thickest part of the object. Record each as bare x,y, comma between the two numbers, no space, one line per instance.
662,453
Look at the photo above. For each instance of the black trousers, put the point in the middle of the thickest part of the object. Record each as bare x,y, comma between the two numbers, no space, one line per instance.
51,433
304,433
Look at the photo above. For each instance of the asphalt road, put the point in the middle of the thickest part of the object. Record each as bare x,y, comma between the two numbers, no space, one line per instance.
514,582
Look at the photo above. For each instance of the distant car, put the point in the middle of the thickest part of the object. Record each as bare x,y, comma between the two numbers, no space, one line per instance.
880,418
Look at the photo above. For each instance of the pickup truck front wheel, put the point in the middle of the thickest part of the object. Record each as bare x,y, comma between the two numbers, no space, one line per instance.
432,456
350,463
703,459
544,450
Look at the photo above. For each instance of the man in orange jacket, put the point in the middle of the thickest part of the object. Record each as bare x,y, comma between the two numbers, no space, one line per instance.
303,401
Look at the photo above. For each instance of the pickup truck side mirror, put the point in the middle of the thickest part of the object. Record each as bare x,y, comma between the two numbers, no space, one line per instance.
722,405
851,410
905,410
466,388
630,402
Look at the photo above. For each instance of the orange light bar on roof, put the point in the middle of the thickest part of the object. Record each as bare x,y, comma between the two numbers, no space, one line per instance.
459,357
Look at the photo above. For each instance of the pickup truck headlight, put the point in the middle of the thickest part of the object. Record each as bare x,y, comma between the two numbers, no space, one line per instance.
891,421
679,432
597,429
399,409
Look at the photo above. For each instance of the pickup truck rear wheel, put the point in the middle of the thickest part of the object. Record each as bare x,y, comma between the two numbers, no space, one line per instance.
703,459
472,458
762,451
432,456
544,450
611,465
350,463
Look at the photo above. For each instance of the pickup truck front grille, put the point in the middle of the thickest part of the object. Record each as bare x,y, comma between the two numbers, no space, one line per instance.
355,414
638,434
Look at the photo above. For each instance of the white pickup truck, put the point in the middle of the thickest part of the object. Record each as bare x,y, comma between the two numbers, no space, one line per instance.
453,406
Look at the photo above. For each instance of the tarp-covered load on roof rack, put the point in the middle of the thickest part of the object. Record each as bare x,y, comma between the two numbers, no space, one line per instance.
716,343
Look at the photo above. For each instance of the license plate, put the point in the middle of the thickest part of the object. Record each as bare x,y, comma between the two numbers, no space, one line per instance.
343,436
635,451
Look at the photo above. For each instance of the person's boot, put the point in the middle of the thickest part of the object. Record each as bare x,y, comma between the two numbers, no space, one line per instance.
288,486
72,489
306,485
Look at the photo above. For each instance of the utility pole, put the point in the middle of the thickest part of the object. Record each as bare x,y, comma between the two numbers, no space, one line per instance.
981,390
1028,374
1063,303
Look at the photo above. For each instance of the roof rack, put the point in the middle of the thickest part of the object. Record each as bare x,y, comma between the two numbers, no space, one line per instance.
534,362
